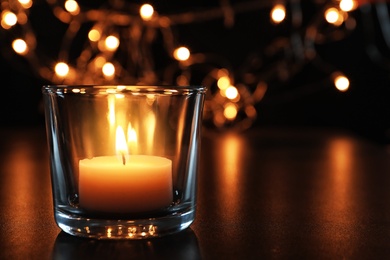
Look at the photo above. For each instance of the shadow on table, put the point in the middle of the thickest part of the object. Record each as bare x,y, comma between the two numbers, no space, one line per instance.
183,245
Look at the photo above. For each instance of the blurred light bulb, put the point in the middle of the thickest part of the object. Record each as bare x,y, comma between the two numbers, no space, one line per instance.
278,13
108,69
223,82
94,35
341,83
347,5
19,46
231,92
332,15
100,61
146,12
61,69
112,43
230,111
181,54
25,3
72,7
8,19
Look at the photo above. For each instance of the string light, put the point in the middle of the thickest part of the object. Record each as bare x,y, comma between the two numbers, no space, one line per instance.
61,69
231,92
181,54
108,70
94,35
333,16
8,19
223,82
230,111
120,33
72,7
146,12
341,83
278,13
347,5
25,3
112,43
20,46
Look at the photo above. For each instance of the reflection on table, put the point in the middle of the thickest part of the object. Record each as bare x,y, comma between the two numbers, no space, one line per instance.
265,193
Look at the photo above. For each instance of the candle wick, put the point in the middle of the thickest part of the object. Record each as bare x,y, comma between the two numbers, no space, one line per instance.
123,159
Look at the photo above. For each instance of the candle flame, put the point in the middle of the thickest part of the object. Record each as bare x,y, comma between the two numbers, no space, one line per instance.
121,146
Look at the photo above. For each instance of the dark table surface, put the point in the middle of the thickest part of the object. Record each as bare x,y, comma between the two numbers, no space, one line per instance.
265,193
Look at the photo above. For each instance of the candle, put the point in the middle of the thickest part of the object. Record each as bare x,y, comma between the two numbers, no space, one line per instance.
136,183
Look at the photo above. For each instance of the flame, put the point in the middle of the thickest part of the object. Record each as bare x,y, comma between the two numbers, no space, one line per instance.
121,146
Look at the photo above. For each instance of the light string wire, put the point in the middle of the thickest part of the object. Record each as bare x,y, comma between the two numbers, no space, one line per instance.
119,48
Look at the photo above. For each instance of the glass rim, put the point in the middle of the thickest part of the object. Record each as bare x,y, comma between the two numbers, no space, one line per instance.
123,89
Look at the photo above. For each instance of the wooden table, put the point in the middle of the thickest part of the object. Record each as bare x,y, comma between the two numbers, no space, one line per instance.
265,193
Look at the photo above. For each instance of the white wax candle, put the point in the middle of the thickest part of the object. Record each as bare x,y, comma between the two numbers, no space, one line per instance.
143,184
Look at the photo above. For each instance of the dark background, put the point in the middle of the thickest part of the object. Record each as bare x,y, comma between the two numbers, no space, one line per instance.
306,99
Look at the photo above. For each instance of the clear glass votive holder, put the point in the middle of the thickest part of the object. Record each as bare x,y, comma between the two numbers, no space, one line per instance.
123,159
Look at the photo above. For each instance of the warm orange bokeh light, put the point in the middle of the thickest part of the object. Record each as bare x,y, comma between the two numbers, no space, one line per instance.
341,83
94,35
278,13
146,12
61,69
72,7
181,54
20,46
108,69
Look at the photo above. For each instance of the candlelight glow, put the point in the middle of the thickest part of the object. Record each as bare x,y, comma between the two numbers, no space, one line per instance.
120,143
111,110
150,125
132,139
131,134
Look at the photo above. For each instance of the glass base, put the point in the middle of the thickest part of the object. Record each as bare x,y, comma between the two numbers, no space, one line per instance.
123,228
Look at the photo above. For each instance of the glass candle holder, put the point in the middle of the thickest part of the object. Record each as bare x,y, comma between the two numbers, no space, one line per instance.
123,159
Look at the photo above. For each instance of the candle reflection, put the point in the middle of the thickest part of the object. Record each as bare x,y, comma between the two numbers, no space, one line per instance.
25,172
341,157
183,245
229,165
338,213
